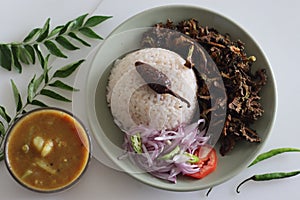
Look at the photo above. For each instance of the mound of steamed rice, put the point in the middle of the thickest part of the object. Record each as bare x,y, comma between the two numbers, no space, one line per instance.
132,102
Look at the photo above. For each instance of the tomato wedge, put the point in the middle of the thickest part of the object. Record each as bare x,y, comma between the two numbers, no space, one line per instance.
207,161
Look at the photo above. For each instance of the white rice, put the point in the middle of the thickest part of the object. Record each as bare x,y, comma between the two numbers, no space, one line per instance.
132,102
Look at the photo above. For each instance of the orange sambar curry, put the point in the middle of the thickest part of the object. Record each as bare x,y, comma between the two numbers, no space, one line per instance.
47,150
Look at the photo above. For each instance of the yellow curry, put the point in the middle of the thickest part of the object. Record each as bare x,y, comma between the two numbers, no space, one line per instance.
47,150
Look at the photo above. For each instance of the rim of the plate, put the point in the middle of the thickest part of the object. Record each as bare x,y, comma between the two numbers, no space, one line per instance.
95,127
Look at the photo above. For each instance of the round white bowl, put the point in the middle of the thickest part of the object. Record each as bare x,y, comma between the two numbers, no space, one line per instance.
122,40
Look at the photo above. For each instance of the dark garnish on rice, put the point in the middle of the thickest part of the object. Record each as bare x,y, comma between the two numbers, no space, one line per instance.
157,80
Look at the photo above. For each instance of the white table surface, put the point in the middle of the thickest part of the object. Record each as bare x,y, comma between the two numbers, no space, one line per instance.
274,24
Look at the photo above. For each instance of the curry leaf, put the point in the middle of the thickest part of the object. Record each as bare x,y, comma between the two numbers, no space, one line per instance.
4,114
89,33
46,76
29,50
30,90
24,55
74,36
31,53
66,27
38,103
44,32
67,70
17,96
37,82
27,54
39,55
55,31
2,129
95,20
61,85
73,24
54,95
78,22
65,43
31,35
15,54
5,56
53,49
46,69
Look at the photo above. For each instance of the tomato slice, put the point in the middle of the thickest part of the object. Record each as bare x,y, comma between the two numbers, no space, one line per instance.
207,161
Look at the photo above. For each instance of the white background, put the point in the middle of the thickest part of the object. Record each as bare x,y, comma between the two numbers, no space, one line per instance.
275,25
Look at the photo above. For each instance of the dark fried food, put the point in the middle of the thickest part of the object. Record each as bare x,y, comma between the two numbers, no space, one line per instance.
241,101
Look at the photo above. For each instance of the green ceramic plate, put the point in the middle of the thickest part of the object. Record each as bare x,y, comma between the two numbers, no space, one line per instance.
125,38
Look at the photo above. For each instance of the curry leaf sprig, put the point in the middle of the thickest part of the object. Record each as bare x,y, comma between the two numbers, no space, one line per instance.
38,86
63,37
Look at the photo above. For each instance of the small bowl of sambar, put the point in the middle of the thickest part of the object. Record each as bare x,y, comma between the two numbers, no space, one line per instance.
47,150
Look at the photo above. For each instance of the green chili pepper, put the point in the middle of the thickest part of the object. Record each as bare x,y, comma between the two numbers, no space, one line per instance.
272,153
267,177
136,142
170,155
193,158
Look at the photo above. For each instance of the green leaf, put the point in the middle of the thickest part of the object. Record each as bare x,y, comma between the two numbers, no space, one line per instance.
31,53
38,103
46,76
2,129
72,25
54,95
23,55
30,90
65,43
31,35
78,22
67,70
4,114
5,57
17,96
46,70
74,36
61,85
16,53
53,49
89,33
55,31
95,20
39,55
37,83
44,32
67,27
